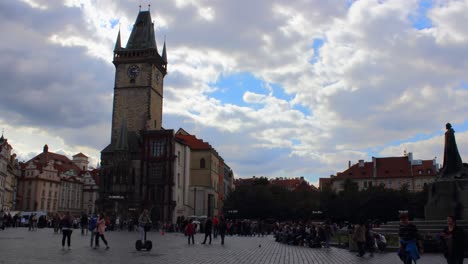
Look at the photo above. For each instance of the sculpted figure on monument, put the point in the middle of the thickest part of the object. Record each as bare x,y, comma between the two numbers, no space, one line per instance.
452,159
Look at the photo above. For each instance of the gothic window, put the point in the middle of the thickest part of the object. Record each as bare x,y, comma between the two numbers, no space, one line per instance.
157,148
202,163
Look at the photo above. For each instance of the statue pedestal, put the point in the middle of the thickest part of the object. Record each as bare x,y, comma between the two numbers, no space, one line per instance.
447,197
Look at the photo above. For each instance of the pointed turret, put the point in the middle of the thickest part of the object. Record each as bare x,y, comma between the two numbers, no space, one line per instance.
164,55
122,140
142,36
117,42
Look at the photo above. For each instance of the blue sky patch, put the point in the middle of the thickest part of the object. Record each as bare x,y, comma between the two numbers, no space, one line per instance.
114,22
231,89
318,43
420,20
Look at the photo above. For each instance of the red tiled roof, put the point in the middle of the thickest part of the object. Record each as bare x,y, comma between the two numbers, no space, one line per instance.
388,167
80,155
193,142
427,168
43,158
393,167
357,172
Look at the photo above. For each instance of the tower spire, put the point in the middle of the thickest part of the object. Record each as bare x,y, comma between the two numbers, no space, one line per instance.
117,42
164,54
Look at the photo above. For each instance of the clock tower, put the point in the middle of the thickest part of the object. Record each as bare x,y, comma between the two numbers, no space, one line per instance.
139,75
126,184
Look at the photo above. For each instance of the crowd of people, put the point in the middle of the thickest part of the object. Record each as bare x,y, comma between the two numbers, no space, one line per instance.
310,234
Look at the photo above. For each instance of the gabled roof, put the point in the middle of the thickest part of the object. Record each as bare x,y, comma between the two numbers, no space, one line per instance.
80,155
193,142
43,159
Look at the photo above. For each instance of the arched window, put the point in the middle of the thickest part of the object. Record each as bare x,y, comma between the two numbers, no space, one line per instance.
202,163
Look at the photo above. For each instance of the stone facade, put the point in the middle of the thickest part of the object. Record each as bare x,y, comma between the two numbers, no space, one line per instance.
9,174
90,191
182,181
52,183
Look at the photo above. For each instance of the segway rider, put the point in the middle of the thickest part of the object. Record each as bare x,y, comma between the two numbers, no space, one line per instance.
144,222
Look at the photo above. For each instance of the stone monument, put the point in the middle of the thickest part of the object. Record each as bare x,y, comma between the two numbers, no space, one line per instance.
448,194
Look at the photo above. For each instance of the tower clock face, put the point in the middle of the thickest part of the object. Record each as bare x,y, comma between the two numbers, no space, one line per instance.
158,77
133,71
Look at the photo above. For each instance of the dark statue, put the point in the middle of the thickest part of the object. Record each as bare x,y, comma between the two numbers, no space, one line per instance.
448,194
452,159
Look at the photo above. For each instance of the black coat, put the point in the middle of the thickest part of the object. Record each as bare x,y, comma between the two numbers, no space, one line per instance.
458,241
208,226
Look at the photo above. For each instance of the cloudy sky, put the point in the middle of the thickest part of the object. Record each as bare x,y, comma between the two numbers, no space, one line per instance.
279,88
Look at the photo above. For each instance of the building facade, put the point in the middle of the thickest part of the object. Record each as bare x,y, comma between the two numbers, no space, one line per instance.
182,180
9,174
390,172
204,175
90,191
53,183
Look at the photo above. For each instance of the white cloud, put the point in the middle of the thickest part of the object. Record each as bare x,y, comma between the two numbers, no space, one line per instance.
375,80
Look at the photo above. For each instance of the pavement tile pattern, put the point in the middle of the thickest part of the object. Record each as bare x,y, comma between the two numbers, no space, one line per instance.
18,245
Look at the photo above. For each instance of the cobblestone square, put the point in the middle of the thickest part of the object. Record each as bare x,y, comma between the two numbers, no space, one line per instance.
43,246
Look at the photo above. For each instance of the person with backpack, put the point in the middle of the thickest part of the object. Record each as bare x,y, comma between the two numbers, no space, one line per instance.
92,227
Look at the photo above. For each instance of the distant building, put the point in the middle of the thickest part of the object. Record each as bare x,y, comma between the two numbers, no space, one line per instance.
204,175
52,182
9,174
391,172
90,190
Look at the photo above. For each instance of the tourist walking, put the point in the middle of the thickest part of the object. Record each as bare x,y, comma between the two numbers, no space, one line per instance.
101,226
215,226
410,241
222,228
190,231
359,236
84,224
208,228
370,239
453,239
92,227
67,230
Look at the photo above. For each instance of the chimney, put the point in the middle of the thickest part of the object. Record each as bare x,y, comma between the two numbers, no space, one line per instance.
46,148
349,164
361,163
410,157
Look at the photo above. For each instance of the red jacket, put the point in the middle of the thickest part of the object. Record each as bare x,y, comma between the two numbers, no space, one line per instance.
190,229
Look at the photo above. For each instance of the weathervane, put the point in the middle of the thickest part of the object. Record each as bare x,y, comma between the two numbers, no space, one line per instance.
149,7
139,8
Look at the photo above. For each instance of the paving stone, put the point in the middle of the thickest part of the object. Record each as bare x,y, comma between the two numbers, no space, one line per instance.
19,245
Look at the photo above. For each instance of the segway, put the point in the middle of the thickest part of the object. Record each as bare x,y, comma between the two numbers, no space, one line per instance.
146,244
